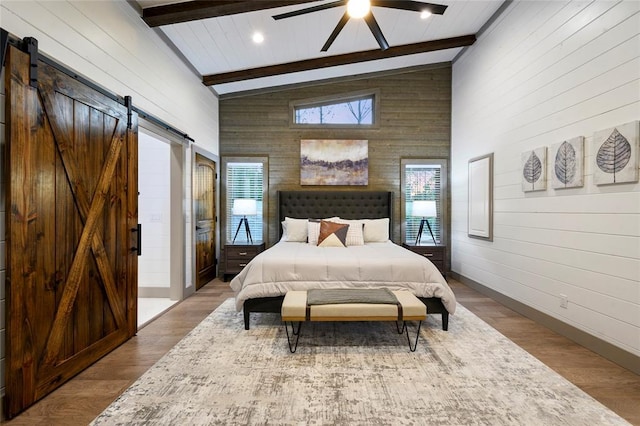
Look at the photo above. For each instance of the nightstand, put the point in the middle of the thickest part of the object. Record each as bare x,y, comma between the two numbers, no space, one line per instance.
236,257
436,254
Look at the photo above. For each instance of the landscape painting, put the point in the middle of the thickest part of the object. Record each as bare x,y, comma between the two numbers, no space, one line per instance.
334,162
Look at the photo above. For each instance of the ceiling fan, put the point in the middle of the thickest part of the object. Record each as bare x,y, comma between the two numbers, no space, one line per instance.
362,9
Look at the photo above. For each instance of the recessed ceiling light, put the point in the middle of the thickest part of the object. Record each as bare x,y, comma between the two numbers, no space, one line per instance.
425,14
258,38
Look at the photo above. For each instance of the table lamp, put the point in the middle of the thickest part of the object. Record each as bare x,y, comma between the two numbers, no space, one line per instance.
424,209
244,207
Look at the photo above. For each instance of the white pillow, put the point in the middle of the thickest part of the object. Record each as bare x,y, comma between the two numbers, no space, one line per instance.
313,230
376,230
355,236
294,230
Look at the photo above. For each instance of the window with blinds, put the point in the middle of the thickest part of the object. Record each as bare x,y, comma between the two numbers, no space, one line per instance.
424,180
244,181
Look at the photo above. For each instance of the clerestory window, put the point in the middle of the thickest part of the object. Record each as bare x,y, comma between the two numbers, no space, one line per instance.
354,109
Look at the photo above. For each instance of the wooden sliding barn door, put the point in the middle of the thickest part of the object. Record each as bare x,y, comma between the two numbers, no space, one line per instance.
71,212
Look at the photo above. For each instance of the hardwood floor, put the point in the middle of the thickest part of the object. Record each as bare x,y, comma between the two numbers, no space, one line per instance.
88,394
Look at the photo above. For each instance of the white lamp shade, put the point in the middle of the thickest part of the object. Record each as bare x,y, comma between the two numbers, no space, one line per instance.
244,207
424,208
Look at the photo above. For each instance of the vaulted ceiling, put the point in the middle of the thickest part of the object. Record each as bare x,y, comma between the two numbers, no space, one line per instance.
215,38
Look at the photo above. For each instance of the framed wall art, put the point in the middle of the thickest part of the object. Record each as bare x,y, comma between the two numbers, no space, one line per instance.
481,197
334,162
615,154
534,169
567,162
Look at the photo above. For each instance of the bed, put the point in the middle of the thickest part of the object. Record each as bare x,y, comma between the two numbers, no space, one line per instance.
297,265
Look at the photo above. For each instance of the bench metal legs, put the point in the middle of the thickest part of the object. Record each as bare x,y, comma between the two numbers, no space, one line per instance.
293,346
294,332
405,330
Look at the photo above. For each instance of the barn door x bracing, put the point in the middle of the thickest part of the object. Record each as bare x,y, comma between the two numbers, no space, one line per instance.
71,229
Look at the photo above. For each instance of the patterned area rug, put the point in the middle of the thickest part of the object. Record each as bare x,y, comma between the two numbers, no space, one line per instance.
351,374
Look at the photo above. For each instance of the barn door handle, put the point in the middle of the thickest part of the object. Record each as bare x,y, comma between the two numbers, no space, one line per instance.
138,249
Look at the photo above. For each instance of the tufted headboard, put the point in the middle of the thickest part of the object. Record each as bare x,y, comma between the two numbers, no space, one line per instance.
345,204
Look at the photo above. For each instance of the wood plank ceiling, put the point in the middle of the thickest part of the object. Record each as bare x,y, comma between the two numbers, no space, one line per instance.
215,37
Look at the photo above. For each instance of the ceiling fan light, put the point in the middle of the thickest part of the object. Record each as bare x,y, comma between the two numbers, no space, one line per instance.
358,8
425,14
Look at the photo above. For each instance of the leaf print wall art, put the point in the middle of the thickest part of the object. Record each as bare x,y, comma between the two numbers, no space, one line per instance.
567,163
615,154
534,169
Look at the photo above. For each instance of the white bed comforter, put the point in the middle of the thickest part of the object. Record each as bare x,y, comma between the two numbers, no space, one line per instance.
301,266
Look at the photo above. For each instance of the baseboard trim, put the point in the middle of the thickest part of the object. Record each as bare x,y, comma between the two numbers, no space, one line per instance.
153,292
607,350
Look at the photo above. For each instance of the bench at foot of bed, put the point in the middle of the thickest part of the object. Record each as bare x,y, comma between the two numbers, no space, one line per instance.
397,306
274,305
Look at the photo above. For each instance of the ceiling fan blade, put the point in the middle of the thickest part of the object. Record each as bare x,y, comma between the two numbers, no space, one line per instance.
336,31
376,31
416,6
310,9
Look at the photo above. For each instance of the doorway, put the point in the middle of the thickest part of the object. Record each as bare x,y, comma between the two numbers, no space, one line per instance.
160,200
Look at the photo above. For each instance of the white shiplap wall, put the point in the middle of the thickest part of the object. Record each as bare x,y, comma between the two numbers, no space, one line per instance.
542,73
107,42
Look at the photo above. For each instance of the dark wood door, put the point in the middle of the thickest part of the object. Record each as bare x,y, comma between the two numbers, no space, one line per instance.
71,208
205,219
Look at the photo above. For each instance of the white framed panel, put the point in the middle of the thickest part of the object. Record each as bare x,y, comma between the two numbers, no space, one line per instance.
481,197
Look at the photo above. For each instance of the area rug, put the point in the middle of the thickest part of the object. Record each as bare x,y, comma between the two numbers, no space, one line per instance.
350,374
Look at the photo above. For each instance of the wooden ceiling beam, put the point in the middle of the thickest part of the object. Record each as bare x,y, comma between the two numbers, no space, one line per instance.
345,59
194,10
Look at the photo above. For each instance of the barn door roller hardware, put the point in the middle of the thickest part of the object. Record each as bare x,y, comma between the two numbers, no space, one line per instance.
4,44
31,47
129,105
28,45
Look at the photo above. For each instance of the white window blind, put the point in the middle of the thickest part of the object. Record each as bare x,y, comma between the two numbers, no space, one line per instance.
244,180
423,182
